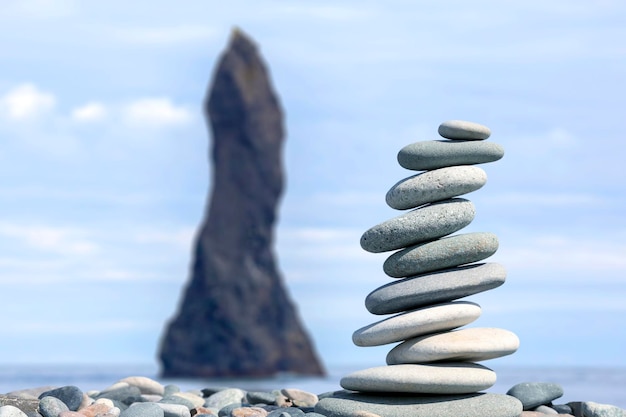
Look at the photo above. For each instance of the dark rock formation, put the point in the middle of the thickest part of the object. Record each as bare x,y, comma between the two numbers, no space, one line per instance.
236,318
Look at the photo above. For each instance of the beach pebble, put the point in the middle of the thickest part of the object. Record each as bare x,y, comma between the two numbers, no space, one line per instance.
363,413
472,344
70,414
97,408
546,410
435,287
260,397
225,397
441,253
436,185
428,155
71,395
177,399
174,410
194,399
344,404
122,393
286,412
300,398
28,405
143,410
170,389
51,407
593,409
145,385
562,408
11,411
420,225
248,412
448,378
418,322
534,394
460,129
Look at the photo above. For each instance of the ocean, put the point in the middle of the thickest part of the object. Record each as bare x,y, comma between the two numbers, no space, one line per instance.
601,385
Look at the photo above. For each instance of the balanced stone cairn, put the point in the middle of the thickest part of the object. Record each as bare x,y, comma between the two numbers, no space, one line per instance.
434,361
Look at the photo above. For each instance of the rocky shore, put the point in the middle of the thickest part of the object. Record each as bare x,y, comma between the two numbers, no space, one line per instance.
139,396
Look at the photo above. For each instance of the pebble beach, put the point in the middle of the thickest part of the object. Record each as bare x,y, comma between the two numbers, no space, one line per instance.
139,396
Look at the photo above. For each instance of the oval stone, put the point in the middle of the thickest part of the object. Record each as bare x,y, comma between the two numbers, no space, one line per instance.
438,184
449,378
427,155
420,225
440,254
534,394
434,288
460,129
418,322
475,344
480,404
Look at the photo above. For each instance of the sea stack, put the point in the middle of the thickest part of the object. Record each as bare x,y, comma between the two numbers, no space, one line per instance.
236,318
433,371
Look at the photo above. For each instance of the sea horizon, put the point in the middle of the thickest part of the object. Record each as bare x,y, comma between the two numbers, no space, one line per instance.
600,384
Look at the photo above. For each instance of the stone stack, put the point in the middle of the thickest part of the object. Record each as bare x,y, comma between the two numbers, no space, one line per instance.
435,363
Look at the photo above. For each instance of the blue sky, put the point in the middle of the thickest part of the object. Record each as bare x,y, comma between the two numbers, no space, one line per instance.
104,174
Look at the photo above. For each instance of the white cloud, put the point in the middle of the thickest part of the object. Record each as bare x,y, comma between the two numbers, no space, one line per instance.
156,112
50,239
90,112
26,101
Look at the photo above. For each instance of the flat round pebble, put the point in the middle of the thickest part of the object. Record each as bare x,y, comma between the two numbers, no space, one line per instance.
418,322
473,344
427,155
143,410
71,395
460,129
345,404
146,385
436,185
441,253
420,225
300,398
534,394
593,409
225,397
51,406
174,410
435,287
11,411
449,378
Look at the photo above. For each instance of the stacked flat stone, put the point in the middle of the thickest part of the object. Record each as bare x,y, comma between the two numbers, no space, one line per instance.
435,359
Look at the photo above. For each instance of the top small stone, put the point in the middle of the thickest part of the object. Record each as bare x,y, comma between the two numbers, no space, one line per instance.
461,130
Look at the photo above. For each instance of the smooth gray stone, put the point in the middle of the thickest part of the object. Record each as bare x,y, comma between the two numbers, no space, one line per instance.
593,409
345,404
440,378
174,410
534,394
11,411
544,409
436,287
442,253
225,397
125,394
28,405
175,399
438,184
427,155
71,395
143,410
460,129
51,407
420,225
562,409
170,389
473,345
418,322
258,397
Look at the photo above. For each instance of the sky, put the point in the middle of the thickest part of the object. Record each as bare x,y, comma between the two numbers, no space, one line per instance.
104,171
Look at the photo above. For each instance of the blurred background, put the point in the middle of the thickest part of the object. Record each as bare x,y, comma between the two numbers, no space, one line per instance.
104,169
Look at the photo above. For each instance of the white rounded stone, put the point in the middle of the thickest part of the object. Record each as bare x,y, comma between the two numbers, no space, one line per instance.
418,322
462,130
475,344
448,378
435,185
